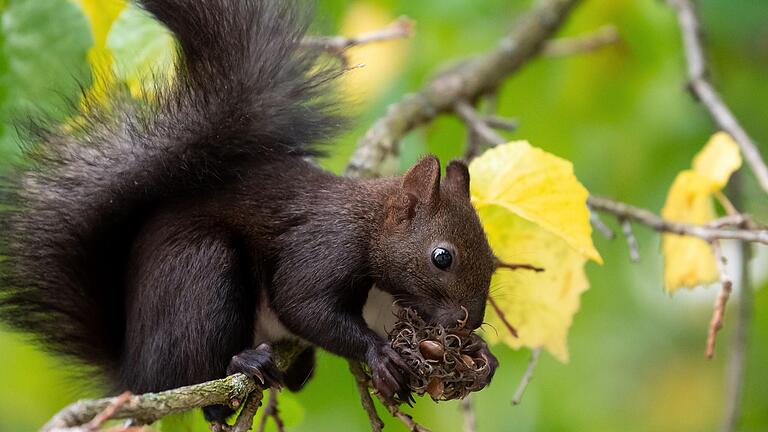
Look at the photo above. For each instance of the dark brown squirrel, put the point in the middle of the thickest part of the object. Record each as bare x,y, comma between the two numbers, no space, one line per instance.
168,240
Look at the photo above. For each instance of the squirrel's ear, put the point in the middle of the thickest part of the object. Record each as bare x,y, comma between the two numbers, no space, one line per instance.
457,178
423,181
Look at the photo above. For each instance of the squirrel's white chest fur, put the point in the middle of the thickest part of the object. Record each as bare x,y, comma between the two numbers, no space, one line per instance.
378,313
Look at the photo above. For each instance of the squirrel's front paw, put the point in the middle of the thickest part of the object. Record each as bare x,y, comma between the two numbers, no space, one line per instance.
480,348
388,372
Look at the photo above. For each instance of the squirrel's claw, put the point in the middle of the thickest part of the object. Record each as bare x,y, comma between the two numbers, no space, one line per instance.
257,363
388,374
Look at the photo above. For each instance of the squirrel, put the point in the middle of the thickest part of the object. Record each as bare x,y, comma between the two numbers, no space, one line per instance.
170,239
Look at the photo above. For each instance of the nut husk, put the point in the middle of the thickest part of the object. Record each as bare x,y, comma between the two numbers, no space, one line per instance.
441,359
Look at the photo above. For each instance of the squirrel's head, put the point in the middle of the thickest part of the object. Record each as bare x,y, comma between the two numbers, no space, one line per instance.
432,254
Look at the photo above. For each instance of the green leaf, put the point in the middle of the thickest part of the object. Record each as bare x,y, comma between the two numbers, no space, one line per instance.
43,46
142,48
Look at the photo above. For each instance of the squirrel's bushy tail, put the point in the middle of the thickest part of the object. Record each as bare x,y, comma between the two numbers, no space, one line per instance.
243,92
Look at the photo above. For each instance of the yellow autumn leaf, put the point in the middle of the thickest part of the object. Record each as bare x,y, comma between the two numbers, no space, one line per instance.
540,306
537,186
534,211
380,61
101,14
689,261
718,160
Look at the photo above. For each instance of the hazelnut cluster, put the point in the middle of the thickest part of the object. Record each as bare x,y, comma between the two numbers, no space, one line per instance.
445,362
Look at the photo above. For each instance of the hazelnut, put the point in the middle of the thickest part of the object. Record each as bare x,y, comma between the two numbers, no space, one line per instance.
431,350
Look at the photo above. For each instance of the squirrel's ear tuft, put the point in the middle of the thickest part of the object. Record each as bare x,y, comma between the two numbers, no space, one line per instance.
423,181
457,178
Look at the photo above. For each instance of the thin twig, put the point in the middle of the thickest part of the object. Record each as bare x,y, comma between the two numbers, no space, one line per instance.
404,418
632,245
734,220
516,266
737,361
474,144
476,123
108,412
722,299
361,379
468,411
475,77
597,222
480,127
271,411
500,123
730,209
735,370
502,316
649,219
704,91
244,421
601,38
527,377
399,29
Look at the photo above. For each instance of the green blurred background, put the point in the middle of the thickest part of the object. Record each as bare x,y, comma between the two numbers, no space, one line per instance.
621,114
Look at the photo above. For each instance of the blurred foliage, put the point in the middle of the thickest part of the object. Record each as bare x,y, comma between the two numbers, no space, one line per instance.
621,115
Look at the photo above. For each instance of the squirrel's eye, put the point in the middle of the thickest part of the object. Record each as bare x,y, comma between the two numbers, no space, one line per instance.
441,258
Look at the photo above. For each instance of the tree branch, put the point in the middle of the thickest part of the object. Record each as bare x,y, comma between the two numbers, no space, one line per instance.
361,379
737,351
500,313
468,411
401,28
704,91
707,232
594,219
363,383
527,377
244,420
150,407
271,411
467,82
476,123
722,299
629,235
602,37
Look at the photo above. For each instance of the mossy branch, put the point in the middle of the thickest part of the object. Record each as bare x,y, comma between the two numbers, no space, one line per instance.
150,407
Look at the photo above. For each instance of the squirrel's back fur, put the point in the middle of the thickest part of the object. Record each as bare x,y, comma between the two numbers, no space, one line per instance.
244,92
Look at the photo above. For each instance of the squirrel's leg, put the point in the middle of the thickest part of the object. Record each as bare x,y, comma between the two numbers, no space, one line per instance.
300,371
340,329
190,307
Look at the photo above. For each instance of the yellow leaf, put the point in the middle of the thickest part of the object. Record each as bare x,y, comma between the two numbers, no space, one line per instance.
101,15
534,211
689,261
718,159
537,186
539,305
381,61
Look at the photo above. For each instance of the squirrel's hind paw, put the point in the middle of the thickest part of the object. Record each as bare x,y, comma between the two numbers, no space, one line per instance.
257,363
